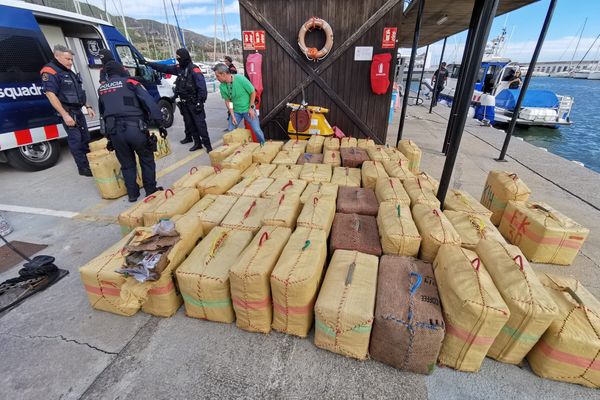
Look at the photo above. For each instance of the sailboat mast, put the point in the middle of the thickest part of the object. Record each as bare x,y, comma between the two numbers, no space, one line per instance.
167,31
215,37
124,23
224,25
577,46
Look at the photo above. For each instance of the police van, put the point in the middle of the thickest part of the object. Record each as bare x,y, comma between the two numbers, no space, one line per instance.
29,126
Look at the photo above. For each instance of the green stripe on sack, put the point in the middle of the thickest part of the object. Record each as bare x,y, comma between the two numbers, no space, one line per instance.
206,303
329,331
518,335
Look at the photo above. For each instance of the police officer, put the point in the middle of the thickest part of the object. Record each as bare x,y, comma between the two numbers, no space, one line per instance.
126,107
106,57
64,89
190,87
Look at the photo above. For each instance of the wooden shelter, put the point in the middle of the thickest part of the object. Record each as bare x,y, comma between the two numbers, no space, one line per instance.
337,82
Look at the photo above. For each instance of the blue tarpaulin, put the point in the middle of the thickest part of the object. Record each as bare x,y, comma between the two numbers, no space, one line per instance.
507,99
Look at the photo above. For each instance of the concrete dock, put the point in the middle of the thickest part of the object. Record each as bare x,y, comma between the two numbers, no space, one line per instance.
55,346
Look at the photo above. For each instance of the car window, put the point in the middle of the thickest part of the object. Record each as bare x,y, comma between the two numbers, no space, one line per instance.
23,56
126,56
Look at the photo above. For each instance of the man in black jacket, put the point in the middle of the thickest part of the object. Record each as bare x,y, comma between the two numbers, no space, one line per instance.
127,109
190,87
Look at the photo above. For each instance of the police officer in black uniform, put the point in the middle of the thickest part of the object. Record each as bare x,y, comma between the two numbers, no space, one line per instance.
126,109
106,57
64,89
190,87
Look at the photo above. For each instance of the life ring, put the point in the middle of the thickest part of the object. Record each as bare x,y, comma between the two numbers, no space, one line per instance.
311,52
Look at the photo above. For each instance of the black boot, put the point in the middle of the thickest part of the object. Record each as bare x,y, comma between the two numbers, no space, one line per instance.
186,140
85,172
196,146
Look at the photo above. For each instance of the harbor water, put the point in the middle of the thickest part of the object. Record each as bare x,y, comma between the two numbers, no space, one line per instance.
581,140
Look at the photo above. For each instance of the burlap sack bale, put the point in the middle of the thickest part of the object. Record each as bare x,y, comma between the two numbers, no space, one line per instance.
378,153
346,304
194,177
355,232
371,171
398,233
474,311
220,182
215,213
163,147
286,171
435,230
315,144
252,186
408,329
395,155
239,160
298,146
174,201
259,170
353,157
348,142
250,279
331,143
106,170
391,189
287,157
110,291
316,173
500,188
202,205
398,169
420,193
412,152
295,281
222,152
133,217
283,210
345,176
327,189
318,212
365,143
427,181
203,278
542,233
285,185
532,309
249,147
238,135
332,157
246,214
472,228
310,158
357,201
569,351
98,145
267,152
458,200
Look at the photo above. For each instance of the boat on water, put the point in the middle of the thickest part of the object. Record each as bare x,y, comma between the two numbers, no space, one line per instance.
594,75
581,74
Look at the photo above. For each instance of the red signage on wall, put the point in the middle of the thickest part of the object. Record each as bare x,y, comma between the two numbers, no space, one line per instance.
254,40
259,40
248,40
389,38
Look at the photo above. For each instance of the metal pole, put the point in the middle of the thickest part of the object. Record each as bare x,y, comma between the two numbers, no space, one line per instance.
482,18
536,53
465,61
411,65
437,77
422,73
178,27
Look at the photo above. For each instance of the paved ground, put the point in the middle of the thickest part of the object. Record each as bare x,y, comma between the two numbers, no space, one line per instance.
54,346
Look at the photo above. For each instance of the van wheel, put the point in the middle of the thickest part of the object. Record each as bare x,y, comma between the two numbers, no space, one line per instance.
166,109
34,157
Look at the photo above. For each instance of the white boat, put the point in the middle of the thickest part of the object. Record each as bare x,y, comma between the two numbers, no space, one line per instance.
594,75
581,74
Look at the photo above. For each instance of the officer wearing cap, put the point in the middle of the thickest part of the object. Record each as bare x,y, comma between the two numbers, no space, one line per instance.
106,57
126,108
64,90
190,87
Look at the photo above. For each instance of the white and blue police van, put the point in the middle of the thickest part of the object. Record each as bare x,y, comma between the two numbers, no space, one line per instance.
29,126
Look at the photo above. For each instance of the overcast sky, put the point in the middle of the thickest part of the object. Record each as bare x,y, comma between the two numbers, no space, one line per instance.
523,26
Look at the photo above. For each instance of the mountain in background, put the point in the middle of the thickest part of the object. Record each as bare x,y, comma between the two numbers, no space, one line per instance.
152,37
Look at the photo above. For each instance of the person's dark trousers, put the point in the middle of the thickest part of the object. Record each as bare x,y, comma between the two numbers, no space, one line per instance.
436,95
187,122
128,140
78,138
200,130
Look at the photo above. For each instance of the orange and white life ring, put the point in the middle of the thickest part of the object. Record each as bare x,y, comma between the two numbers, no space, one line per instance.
313,53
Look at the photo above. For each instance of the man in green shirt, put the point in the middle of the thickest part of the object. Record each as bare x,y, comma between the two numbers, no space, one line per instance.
239,96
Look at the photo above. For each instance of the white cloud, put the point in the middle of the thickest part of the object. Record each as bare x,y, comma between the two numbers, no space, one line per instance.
155,8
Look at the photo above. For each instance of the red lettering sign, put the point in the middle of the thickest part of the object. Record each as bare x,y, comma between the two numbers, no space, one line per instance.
389,38
259,40
248,40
